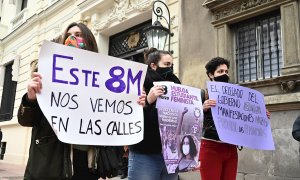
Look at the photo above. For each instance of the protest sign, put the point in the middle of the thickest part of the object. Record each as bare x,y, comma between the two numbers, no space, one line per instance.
240,116
180,116
90,98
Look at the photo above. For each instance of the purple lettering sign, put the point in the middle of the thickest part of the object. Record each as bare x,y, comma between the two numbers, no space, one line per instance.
90,98
240,116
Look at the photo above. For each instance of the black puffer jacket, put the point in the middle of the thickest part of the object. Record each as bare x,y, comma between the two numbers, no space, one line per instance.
151,144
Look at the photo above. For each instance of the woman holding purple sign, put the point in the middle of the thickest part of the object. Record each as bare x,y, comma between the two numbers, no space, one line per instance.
49,158
146,161
218,159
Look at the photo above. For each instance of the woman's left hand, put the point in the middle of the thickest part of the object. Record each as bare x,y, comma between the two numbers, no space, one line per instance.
142,99
268,114
154,92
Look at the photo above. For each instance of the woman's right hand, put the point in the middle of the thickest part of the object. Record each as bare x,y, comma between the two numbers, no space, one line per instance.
208,104
34,86
154,92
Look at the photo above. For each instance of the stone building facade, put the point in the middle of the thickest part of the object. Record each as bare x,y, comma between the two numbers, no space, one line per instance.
25,24
259,37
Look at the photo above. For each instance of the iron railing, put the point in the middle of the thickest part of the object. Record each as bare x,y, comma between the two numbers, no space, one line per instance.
258,49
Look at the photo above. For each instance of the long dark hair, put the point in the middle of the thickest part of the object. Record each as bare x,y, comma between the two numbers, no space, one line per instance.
193,149
87,35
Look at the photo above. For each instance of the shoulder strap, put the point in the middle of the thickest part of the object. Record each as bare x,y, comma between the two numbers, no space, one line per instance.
202,95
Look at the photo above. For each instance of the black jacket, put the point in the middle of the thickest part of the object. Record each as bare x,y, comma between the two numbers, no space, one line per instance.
151,144
1,135
296,129
209,130
49,159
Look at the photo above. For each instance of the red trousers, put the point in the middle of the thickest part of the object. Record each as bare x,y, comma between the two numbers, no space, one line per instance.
218,161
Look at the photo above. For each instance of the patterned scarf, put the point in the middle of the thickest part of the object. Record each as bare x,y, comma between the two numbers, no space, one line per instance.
75,42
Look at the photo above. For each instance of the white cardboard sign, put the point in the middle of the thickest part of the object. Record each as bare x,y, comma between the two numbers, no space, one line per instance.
89,98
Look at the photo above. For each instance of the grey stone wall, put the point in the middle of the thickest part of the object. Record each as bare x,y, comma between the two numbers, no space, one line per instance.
283,163
197,44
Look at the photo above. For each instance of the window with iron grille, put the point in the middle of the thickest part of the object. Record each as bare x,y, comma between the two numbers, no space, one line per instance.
8,95
258,49
119,44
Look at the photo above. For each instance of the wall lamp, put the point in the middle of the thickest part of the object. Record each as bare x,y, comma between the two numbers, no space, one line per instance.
157,34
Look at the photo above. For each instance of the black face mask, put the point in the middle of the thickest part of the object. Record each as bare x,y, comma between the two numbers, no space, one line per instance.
165,71
223,78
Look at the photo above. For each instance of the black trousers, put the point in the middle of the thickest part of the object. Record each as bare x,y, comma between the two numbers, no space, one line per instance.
80,166
122,161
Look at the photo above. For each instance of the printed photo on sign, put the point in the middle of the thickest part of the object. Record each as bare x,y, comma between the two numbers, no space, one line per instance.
240,116
180,128
90,98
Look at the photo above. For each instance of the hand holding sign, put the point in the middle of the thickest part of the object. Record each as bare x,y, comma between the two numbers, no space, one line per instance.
34,86
208,104
142,99
155,92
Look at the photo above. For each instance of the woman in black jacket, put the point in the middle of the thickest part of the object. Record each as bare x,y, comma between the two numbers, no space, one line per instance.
146,160
219,160
49,159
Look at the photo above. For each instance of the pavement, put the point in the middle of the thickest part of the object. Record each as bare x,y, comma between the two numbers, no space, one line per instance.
16,172
11,171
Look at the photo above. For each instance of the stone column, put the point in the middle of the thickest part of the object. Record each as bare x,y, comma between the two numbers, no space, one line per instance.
103,43
224,45
224,41
290,38
101,39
